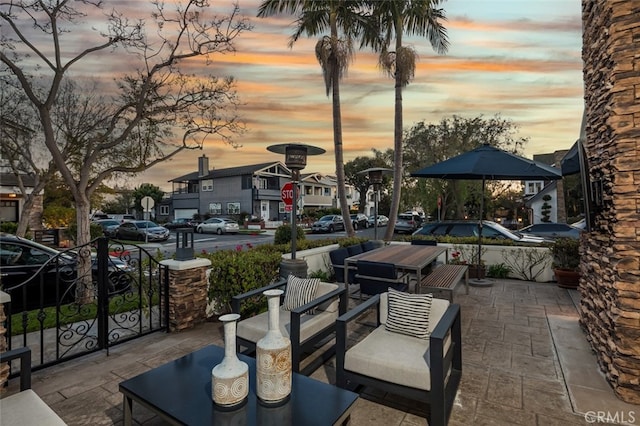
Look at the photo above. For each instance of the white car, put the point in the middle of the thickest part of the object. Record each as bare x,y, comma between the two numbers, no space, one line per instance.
382,220
219,225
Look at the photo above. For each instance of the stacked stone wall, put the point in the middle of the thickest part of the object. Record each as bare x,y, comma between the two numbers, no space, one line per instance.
4,367
187,297
610,285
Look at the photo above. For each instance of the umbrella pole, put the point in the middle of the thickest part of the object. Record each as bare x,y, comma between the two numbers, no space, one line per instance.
480,281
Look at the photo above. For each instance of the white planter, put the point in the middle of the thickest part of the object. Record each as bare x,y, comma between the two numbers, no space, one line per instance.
273,358
230,378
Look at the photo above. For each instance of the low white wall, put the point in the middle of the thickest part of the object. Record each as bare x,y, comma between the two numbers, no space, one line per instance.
526,263
317,258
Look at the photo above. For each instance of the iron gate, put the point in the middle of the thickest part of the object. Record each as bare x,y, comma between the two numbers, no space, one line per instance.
62,314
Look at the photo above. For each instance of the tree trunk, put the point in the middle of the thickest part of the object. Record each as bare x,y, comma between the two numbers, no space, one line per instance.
337,132
84,290
25,214
397,160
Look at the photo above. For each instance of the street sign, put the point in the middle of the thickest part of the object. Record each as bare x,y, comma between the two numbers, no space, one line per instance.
147,203
286,193
288,208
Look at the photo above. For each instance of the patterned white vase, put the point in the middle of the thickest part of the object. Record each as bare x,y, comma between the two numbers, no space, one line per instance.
230,378
273,358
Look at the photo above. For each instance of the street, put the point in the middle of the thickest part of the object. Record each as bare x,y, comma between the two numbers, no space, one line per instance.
214,242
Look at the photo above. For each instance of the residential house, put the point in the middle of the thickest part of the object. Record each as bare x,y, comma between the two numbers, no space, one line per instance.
12,200
252,189
536,204
320,191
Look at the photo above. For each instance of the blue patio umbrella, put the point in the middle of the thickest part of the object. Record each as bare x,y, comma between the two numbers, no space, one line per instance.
488,163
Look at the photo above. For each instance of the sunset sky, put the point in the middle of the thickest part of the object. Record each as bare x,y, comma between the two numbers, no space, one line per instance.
516,58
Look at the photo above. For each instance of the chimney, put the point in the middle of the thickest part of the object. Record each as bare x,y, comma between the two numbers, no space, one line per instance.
203,166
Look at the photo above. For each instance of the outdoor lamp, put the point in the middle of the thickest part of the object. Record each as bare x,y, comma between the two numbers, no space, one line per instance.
295,158
375,179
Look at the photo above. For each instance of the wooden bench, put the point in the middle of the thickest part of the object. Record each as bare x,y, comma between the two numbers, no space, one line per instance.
25,407
445,278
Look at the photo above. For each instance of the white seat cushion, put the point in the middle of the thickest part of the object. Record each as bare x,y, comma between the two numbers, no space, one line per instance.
254,328
26,408
394,357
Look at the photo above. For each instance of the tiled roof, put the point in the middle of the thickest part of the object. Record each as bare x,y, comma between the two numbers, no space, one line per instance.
9,179
220,173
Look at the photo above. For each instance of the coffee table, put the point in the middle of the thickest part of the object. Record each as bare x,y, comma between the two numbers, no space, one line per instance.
180,392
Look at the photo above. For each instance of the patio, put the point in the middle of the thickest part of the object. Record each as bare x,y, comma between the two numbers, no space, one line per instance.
525,362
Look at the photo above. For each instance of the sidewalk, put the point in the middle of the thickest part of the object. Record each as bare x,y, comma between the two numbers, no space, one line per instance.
525,362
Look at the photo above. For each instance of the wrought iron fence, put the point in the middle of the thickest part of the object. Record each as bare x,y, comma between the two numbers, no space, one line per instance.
65,304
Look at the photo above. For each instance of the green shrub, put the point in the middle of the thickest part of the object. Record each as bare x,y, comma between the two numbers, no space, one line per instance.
238,271
9,227
323,275
283,234
350,241
499,270
94,229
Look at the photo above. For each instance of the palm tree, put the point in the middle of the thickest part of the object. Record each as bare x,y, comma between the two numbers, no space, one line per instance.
344,20
394,18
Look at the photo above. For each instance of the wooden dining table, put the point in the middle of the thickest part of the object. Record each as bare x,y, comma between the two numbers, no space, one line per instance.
408,258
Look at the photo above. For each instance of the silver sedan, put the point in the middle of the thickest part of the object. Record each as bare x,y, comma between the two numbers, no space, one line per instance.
219,225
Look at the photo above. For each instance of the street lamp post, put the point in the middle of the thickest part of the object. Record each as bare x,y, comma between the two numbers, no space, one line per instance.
375,179
295,158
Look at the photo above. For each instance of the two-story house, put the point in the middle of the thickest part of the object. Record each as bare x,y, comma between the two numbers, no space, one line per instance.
252,189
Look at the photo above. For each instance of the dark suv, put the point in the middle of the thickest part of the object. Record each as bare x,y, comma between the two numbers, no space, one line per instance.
469,228
359,221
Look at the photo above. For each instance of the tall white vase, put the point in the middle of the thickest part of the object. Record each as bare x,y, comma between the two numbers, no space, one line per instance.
273,358
230,378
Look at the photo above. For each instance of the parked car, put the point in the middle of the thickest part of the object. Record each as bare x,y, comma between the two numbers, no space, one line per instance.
382,220
219,225
109,226
142,230
359,221
181,222
406,223
21,259
469,228
328,223
552,230
123,217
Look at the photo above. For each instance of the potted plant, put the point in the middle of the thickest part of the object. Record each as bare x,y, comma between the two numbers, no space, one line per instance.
566,262
458,257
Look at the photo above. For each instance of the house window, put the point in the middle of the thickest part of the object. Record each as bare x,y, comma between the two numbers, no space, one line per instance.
164,210
327,192
247,182
207,185
281,208
215,208
233,208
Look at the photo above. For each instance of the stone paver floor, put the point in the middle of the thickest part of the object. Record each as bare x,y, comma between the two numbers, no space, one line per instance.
511,368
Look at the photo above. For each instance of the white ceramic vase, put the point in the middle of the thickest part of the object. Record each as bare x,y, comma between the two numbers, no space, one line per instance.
230,378
273,357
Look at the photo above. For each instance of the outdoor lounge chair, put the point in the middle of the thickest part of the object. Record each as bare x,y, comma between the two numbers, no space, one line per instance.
378,277
25,407
337,257
305,330
355,249
422,369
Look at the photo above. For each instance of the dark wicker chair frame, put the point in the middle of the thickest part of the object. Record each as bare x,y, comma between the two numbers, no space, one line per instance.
337,257
298,348
377,277
443,390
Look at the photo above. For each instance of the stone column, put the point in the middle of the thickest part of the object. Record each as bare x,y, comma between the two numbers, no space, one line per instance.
187,292
4,367
610,285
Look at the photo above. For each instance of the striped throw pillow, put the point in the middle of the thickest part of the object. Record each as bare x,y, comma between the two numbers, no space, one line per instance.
408,313
300,291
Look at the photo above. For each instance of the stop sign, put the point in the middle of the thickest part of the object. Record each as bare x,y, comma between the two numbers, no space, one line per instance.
286,193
